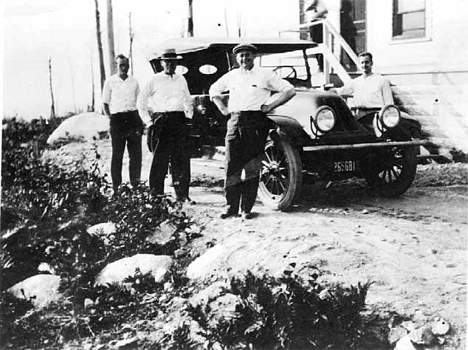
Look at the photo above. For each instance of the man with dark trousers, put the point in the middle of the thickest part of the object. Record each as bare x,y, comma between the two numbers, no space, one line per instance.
119,98
250,89
169,96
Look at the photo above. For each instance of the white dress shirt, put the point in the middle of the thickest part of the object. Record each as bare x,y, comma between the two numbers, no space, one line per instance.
121,95
369,91
248,90
165,93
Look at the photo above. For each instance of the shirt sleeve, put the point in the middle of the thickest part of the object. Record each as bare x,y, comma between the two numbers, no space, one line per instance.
137,91
387,92
106,93
219,86
188,102
142,102
276,84
347,89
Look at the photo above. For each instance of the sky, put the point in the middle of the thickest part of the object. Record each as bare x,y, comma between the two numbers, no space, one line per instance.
65,31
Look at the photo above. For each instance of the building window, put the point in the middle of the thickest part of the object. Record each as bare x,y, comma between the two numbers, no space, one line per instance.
409,19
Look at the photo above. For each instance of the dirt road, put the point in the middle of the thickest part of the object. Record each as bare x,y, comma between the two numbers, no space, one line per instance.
414,248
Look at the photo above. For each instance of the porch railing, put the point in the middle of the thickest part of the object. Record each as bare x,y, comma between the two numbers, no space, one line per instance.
331,47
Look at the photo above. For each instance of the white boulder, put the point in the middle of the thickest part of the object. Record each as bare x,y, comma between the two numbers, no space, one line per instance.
206,264
118,271
104,229
40,289
84,125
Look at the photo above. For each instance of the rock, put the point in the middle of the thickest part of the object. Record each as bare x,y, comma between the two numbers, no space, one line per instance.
396,334
200,267
208,294
40,289
46,268
104,229
163,233
409,326
88,303
440,327
85,125
223,309
422,336
126,344
405,343
116,272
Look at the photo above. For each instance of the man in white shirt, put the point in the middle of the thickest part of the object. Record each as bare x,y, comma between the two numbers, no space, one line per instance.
170,99
119,98
370,90
249,89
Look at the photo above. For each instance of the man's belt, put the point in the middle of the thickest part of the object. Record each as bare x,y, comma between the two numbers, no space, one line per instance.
248,112
168,114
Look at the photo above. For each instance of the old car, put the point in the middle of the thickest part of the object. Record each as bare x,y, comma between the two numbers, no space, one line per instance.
315,136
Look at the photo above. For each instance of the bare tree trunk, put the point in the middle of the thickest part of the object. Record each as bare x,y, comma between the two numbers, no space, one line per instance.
190,18
52,104
131,34
99,42
91,108
110,37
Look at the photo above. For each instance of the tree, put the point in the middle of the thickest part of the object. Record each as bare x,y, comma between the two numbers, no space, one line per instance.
132,35
91,107
99,42
110,37
52,104
190,18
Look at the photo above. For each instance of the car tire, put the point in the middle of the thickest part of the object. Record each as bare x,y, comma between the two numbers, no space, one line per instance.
391,171
280,175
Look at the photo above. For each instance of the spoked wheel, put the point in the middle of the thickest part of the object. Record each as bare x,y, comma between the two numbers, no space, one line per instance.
391,172
281,175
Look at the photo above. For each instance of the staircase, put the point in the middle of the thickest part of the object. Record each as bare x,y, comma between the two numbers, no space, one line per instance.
440,107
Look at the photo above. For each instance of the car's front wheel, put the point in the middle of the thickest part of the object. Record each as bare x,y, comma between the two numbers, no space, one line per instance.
391,172
281,175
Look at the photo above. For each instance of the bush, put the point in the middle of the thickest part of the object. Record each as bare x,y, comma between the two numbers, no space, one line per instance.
286,313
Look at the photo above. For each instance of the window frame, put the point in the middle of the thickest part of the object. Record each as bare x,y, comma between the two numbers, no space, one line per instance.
399,39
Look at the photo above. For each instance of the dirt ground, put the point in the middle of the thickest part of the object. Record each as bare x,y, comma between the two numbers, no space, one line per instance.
414,248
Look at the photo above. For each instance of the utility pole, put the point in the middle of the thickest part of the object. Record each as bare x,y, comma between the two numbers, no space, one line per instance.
110,37
226,22
131,34
52,105
99,42
190,19
302,35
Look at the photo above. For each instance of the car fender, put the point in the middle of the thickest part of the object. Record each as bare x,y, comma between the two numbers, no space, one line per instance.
289,129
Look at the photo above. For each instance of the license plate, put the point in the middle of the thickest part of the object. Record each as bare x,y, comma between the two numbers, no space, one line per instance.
344,166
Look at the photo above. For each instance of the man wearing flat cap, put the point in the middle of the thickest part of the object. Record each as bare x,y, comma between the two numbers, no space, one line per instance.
250,89
168,94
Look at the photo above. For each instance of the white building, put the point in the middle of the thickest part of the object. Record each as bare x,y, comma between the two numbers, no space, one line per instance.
422,47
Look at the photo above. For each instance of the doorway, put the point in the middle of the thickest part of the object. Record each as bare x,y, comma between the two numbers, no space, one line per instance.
358,15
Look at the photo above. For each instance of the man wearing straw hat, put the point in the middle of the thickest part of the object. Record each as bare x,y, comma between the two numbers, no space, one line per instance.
170,99
250,89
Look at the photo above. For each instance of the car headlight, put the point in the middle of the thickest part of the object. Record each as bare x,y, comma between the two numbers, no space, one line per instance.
389,116
325,119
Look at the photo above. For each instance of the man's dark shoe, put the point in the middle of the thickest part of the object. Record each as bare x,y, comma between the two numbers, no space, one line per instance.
247,216
228,213
187,200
